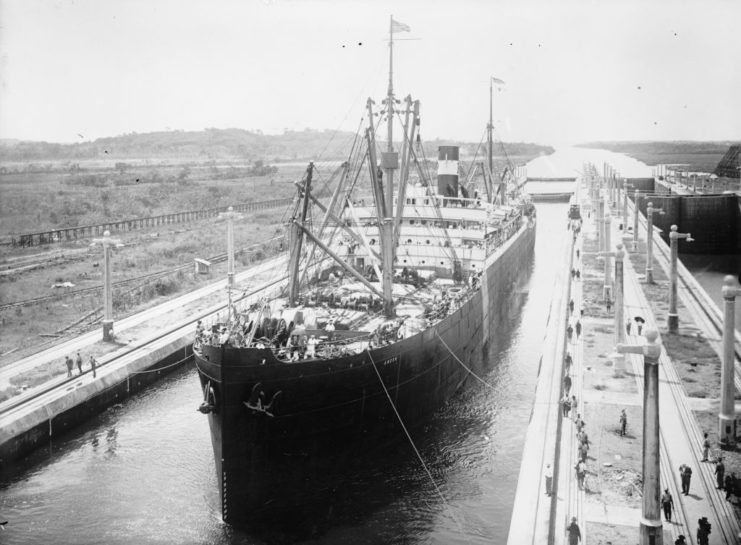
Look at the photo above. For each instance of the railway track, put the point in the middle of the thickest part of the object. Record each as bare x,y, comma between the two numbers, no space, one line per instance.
146,278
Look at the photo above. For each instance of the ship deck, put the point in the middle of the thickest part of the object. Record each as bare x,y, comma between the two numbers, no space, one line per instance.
336,318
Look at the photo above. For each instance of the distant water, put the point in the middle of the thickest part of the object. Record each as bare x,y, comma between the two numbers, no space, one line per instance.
143,472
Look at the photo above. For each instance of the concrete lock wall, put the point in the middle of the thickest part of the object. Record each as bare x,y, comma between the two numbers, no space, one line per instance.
41,425
737,210
712,220
645,185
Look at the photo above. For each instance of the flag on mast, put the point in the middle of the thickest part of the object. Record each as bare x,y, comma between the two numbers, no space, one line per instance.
497,81
396,26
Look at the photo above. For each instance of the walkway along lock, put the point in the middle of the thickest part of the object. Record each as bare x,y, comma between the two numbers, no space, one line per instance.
727,414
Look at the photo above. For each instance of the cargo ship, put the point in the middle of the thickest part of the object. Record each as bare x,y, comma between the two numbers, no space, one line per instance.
387,311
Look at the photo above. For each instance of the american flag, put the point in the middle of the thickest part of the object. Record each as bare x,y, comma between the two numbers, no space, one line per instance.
396,26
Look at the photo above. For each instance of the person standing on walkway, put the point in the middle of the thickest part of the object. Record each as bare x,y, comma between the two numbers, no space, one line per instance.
574,407
93,364
570,331
566,405
567,384
623,423
571,306
608,304
705,448
686,476
568,360
577,253
70,364
581,473
668,504
627,326
78,360
574,532
730,485
579,422
720,472
578,328
703,531
548,480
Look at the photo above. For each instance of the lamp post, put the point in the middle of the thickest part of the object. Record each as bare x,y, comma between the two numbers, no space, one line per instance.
230,215
618,359
625,204
650,526
615,190
650,241
673,318
637,196
727,414
107,241
607,288
601,222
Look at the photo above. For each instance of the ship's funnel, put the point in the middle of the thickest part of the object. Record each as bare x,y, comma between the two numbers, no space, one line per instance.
447,171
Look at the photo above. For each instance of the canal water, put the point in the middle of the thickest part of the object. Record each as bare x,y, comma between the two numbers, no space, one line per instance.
143,471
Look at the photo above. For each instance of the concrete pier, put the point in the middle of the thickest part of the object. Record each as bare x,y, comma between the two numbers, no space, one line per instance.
607,505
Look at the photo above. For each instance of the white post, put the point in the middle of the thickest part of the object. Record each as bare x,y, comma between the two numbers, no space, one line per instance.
727,414
673,318
649,243
637,196
107,241
607,290
650,526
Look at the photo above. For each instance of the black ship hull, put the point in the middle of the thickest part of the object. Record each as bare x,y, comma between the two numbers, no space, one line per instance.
327,411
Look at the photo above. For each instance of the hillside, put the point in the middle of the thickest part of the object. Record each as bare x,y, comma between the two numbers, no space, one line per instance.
215,144
696,156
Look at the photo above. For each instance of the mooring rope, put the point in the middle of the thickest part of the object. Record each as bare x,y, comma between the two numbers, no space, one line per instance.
398,416
463,364
416,451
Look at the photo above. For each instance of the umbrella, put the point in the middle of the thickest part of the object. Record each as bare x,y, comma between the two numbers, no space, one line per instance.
639,319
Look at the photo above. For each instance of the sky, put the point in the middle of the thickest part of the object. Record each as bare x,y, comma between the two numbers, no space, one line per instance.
574,71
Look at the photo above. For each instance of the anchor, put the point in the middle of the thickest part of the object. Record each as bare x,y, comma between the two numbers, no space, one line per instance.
209,402
257,403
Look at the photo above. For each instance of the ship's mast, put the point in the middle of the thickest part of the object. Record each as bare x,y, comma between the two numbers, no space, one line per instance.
389,163
490,126
390,118
297,240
